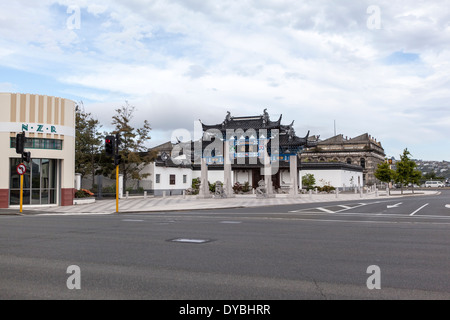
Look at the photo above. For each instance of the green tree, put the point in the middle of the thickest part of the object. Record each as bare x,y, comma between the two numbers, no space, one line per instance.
133,153
432,176
309,181
415,178
405,169
88,142
384,173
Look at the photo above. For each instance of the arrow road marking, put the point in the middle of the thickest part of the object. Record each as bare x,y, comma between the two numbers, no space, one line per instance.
395,205
419,209
447,206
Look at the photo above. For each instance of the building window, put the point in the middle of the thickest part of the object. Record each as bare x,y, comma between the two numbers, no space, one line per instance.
184,178
172,179
40,182
349,161
363,163
38,143
158,178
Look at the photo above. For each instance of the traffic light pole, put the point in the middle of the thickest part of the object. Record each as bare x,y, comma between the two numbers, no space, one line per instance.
112,150
21,193
25,156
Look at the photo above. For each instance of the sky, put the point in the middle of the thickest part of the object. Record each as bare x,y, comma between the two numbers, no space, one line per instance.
377,67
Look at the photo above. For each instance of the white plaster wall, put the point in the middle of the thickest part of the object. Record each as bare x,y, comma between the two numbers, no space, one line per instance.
347,176
336,178
165,173
285,177
243,176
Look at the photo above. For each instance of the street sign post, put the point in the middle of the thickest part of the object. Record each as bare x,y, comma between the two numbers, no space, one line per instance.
21,170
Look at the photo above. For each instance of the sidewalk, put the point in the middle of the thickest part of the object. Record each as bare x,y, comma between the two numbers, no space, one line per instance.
180,203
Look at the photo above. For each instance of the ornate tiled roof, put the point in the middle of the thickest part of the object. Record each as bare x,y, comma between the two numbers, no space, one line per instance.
253,122
287,137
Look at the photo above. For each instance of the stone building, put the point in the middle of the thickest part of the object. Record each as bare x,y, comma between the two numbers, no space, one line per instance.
363,150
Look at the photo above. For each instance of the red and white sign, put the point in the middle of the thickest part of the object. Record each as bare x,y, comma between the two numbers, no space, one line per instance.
21,169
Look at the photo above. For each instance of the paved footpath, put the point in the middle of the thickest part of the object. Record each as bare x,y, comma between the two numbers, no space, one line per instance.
180,203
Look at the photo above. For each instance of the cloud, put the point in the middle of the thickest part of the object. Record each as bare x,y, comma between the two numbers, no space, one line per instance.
312,61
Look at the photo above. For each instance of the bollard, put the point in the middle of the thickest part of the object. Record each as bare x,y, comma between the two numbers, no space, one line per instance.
145,194
360,192
184,194
376,192
164,194
315,190
337,193
387,192
310,193
127,194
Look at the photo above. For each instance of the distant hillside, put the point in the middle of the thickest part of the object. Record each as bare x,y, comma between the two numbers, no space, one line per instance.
441,168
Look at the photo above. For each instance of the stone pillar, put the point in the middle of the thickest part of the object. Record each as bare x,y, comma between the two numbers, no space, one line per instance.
294,175
227,181
120,186
78,181
204,186
267,171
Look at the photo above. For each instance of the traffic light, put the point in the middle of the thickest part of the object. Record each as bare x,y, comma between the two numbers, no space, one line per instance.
26,156
20,142
118,141
117,159
110,145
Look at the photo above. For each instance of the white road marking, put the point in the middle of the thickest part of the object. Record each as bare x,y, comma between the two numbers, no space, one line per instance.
325,210
419,209
231,222
190,240
132,220
345,207
447,206
395,205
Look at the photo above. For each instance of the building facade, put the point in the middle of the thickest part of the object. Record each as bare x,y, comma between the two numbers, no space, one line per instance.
49,126
253,143
364,151
247,143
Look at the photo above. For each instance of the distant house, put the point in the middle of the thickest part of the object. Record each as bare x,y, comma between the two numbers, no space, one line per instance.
167,175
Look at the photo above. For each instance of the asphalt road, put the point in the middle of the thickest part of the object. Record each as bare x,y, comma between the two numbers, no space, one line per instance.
309,251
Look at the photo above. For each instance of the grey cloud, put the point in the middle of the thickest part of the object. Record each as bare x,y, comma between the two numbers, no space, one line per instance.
196,71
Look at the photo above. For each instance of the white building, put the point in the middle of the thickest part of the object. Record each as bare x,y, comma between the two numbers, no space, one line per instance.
165,177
